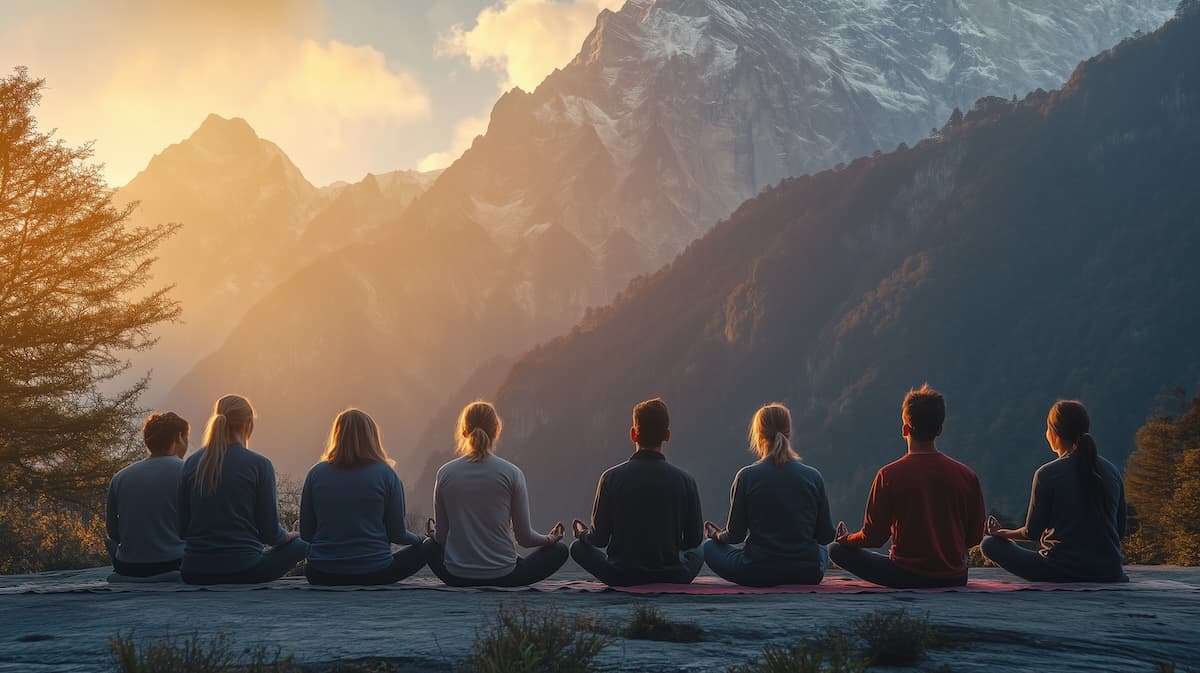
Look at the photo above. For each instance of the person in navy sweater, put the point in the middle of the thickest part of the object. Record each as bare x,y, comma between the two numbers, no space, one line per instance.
228,507
352,510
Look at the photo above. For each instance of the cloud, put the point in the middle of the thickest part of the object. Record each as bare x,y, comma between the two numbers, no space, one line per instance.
151,71
526,39
465,132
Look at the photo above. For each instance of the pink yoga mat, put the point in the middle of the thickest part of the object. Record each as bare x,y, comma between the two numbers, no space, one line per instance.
714,586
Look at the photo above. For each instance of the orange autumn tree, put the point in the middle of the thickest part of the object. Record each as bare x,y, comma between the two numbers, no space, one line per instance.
74,304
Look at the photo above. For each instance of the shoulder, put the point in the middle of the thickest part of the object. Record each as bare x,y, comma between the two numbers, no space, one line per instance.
960,466
812,473
506,468
317,470
682,474
1051,469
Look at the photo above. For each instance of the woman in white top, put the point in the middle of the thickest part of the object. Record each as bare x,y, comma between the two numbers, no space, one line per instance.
480,505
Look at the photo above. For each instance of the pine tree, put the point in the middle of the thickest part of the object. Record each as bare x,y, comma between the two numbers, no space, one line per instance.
1183,512
73,304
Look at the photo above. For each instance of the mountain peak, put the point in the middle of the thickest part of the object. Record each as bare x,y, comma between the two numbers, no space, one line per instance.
217,131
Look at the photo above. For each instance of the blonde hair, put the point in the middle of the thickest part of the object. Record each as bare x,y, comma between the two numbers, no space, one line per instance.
771,434
232,414
354,440
478,429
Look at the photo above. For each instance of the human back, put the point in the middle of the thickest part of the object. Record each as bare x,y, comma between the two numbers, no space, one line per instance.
787,511
477,507
1081,539
652,510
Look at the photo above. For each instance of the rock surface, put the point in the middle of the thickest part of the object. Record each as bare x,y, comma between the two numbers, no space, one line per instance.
1016,631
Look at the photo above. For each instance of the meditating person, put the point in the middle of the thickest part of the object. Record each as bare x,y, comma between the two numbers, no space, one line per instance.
1076,511
228,508
930,505
352,510
778,507
142,516
646,513
480,504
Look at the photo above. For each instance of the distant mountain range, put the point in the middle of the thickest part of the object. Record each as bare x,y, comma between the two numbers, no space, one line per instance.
1033,250
672,114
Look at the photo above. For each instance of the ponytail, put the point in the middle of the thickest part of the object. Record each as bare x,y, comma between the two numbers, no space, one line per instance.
770,434
478,429
1069,420
232,414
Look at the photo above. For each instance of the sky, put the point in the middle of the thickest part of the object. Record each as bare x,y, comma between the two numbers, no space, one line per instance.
345,87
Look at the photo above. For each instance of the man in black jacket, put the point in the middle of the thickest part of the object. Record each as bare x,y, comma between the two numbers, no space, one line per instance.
647,513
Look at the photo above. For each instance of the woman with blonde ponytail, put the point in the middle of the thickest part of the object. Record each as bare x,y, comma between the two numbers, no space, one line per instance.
228,508
1076,511
481,503
778,507
352,510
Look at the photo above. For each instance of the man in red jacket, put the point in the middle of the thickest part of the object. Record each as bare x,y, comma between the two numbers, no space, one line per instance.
930,505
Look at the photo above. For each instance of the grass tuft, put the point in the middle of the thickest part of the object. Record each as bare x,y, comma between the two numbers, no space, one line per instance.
893,638
833,654
529,641
649,623
194,654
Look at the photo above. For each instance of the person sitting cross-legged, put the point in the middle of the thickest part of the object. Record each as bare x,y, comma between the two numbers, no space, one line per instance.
646,513
352,510
930,505
142,516
778,506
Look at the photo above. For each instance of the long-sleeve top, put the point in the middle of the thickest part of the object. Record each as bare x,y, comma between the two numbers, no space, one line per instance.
931,506
142,515
479,507
350,516
225,531
1076,536
782,513
646,512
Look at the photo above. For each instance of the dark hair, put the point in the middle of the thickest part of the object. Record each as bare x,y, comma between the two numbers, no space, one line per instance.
651,420
924,412
160,431
1069,420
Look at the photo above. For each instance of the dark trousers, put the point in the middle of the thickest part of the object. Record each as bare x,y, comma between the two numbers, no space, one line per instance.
404,563
595,561
879,569
537,566
273,564
138,569
730,563
1030,565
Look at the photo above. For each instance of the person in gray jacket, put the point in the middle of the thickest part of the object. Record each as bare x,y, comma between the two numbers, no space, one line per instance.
142,513
778,507
481,503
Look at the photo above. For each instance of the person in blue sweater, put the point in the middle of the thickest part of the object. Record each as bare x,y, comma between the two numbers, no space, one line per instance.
778,507
142,516
352,510
228,508
1076,511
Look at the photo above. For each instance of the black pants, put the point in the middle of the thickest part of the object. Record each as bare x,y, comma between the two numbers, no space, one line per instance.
273,564
879,569
138,569
595,561
404,563
730,563
537,566
1031,565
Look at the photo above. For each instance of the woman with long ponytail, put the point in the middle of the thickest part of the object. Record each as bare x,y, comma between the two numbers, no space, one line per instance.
228,507
481,504
1076,510
778,507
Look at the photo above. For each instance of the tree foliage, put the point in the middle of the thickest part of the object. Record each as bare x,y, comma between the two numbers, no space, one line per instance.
74,304
1162,483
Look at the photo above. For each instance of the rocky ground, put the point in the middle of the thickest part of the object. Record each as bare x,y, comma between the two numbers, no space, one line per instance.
431,630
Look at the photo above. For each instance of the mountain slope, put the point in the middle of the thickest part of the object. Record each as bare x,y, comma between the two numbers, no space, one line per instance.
673,113
1037,249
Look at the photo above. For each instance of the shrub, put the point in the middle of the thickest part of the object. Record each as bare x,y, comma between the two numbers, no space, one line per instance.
38,534
832,654
528,641
648,623
194,654
893,638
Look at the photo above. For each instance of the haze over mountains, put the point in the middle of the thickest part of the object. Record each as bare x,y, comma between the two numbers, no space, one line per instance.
672,114
1034,250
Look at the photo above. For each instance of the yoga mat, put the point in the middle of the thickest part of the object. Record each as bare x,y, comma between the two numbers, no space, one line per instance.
94,581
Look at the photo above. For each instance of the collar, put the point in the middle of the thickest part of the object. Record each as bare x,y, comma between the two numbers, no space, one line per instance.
647,454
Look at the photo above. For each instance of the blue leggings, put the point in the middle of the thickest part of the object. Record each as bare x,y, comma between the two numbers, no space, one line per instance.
879,569
273,564
404,563
730,563
1031,565
595,561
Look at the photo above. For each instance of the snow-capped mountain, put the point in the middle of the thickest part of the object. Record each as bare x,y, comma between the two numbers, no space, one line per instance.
673,113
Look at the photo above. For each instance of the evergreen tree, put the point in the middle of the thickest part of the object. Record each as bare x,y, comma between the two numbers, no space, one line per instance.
1183,512
73,304
1160,487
